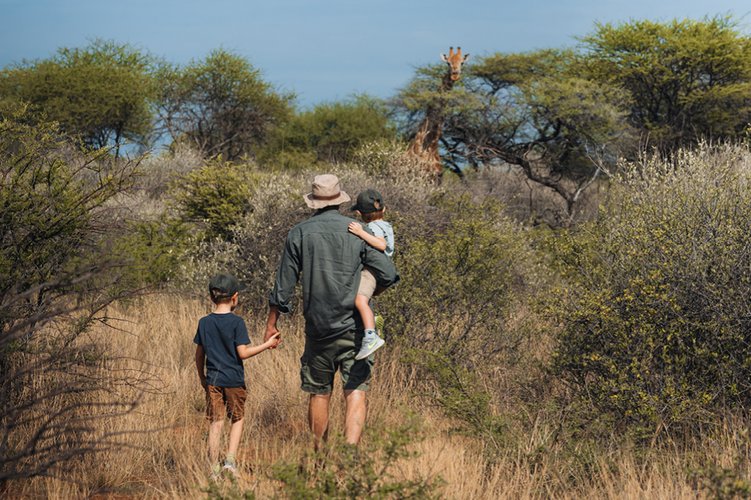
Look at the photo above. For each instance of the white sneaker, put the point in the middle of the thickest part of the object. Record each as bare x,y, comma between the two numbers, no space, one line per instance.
231,469
371,342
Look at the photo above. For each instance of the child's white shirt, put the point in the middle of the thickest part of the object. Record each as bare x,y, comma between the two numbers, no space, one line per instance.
383,229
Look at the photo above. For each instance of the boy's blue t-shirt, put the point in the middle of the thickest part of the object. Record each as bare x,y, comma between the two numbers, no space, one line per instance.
220,334
383,229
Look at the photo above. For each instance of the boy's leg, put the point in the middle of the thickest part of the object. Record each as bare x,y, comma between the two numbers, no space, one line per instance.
370,341
215,437
215,415
235,432
235,400
362,303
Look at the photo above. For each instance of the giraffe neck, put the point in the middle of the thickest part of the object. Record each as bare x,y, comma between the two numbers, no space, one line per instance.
424,146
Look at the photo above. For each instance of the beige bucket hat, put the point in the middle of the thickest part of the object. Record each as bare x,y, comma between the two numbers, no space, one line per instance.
326,192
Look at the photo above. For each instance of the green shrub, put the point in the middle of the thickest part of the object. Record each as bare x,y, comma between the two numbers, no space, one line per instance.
656,319
216,195
250,245
464,271
368,471
460,275
153,250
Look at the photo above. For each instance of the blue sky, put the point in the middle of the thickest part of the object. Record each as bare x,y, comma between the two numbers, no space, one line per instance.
325,50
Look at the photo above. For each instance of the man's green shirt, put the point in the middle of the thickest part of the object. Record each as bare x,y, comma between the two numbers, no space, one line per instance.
330,260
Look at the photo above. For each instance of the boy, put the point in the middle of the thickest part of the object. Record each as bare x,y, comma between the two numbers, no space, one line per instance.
370,208
222,344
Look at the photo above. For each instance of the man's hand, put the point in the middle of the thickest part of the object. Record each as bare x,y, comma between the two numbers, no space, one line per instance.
204,384
356,229
271,328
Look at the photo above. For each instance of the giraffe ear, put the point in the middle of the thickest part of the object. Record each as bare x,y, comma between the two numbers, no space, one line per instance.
444,58
466,56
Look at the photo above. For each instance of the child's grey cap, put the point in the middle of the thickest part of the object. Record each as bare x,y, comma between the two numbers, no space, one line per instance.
369,201
223,286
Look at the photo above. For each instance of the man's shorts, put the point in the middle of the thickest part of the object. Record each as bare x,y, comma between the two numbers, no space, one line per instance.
225,399
367,283
321,360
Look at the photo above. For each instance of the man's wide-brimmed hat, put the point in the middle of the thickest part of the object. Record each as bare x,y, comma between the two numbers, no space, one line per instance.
326,192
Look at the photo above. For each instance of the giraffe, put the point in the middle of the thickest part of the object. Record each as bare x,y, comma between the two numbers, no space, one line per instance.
424,146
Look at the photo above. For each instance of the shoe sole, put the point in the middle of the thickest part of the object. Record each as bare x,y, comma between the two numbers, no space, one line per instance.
373,348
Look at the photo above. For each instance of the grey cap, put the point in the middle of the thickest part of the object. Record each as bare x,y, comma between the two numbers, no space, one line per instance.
223,286
369,201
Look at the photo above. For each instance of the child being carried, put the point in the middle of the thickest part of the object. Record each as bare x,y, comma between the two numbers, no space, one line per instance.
370,209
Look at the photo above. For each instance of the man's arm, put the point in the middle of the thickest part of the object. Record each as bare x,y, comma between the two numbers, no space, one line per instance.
271,328
280,299
200,364
381,266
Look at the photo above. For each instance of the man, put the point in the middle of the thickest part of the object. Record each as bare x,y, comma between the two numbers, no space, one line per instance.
330,259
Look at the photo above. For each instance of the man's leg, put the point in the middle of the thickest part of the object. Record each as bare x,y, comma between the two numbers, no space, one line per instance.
354,420
318,417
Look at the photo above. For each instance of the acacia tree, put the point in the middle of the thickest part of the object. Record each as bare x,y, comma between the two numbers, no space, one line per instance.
100,94
531,112
220,105
688,80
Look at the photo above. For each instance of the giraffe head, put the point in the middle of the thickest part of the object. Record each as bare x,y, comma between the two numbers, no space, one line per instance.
455,61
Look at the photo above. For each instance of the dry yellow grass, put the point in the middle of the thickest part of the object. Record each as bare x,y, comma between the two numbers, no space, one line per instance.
166,458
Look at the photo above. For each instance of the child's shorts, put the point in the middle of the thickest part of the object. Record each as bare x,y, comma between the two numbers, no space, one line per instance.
221,399
367,283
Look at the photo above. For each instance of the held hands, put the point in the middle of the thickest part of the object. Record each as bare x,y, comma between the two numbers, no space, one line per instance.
273,341
356,229
272,333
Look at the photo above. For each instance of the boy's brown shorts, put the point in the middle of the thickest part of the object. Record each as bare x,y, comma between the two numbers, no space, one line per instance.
221,399
367,283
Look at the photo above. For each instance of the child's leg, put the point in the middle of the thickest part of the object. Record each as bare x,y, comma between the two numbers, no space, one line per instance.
362,299
215,437
362,303
235,432
370,340
215,415
236,408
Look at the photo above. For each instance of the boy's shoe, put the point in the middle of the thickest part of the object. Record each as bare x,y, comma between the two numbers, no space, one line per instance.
216,473
231,469
371,342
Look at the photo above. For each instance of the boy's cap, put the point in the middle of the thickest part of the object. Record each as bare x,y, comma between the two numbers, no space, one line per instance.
223,286
369,201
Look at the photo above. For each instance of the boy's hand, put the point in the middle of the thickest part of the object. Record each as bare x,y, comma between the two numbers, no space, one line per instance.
274,340
204,384
356,229
272,332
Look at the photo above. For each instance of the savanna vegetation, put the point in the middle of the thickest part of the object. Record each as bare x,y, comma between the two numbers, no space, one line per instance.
573,317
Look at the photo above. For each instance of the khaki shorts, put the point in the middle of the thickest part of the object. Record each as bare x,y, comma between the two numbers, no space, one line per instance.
225,399
367,283
321,360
